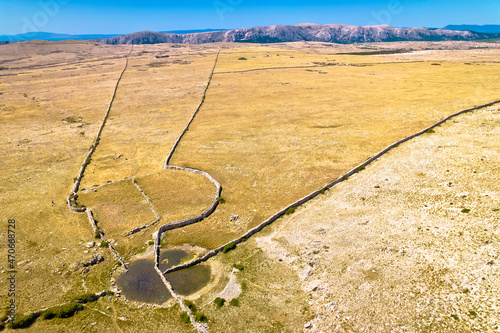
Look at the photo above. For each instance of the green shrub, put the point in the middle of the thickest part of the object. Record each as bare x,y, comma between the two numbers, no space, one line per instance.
324,189
290,210
185,317
151,242
221,200
361,168
219,302
191,306
234,302
239,267
85,298
465,210
201,318
25,321
104,244
62,311
430,131
97,233
242,58
228,247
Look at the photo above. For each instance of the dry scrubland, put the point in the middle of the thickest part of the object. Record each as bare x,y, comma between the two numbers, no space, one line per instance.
269,137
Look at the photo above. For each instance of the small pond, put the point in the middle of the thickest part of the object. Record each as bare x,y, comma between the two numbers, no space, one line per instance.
142,283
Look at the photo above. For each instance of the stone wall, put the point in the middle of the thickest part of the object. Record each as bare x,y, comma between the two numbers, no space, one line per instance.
314,194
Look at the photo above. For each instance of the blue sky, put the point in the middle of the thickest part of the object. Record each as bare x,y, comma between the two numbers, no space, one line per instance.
125,16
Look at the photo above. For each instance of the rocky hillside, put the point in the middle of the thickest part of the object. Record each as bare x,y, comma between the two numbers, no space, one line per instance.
332,33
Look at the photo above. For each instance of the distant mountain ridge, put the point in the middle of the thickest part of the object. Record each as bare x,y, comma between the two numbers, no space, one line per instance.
51,36
488,28
56,37
333,33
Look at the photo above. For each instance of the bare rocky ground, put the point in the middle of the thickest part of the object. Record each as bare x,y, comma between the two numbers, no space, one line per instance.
411,244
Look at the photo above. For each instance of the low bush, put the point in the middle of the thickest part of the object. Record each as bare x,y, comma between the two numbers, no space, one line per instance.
201,318
430,131
103,244
219,302
85,298
290,210
229,247
221,200
239,267
191,306
62,311
242,58
185,317
234,302
24,321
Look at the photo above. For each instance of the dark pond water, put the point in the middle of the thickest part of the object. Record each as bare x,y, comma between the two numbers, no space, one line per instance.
142,283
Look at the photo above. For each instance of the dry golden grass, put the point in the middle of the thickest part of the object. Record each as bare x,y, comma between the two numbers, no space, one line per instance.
41,155
177,195
271,137
156,98
118,208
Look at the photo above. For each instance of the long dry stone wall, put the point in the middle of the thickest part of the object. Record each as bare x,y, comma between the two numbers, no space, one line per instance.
314,194
202,328
73,196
